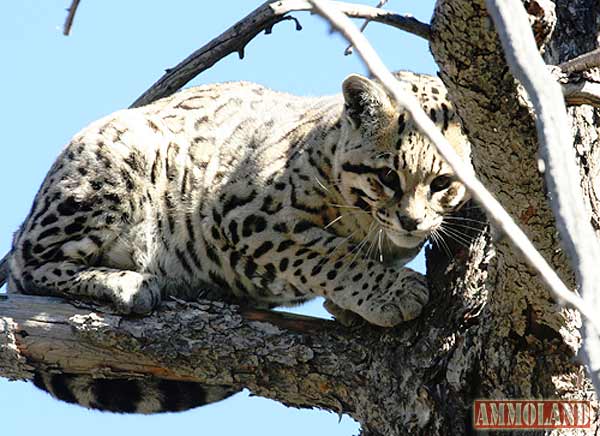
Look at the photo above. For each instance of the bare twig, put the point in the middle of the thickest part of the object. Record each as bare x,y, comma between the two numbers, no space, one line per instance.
493,208
70,17
264,17
556,148
381,4
581,63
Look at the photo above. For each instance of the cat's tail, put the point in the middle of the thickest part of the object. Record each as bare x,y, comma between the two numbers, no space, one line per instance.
130,395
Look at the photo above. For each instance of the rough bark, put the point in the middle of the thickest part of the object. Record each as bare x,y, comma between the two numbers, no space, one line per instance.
491,330
527,342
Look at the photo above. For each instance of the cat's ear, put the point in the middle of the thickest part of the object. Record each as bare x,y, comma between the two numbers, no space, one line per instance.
366,102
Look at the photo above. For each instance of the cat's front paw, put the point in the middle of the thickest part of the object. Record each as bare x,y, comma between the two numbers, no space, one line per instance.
402,301
137,294
345,317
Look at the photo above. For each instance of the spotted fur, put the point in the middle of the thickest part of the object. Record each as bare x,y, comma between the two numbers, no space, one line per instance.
237,192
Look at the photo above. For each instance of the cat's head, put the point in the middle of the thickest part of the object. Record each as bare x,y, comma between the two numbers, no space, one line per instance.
386,167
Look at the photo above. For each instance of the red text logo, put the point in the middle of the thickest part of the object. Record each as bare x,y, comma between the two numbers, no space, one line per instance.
531,414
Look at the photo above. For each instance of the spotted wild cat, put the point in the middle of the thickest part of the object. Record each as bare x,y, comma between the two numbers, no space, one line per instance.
237,192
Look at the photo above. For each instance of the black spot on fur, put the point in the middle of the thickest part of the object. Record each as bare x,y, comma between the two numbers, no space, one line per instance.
303,226
316,270
218,280
262,249
234,258
193,255
233,230
280,227
112,197
49,219
178,396
75,227
284,245
52,231
253,224
433,115
446,117
70,206
250,268
183,261
358,169
116,395
59,385
212,254
234,202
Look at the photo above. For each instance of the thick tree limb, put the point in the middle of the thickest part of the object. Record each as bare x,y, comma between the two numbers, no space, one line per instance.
494,209
299,361
562,174
265,17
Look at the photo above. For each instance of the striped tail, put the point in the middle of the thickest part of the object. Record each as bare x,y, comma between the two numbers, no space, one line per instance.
130,395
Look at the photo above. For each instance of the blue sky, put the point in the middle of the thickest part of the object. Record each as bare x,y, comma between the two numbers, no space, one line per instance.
52,86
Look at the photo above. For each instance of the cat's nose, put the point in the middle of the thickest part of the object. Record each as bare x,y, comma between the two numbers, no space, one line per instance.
409,224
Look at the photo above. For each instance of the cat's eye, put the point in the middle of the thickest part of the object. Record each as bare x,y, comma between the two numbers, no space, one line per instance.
441,183
389,178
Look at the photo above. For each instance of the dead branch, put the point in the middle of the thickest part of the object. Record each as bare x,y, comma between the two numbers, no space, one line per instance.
264,18
364,25
70,17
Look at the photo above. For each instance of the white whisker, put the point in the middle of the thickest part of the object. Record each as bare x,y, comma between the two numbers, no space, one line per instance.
333,222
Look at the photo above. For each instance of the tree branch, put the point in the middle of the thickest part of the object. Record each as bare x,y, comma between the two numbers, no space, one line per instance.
561,172
493,208
581,63
364,25
70,17
299,361
264,18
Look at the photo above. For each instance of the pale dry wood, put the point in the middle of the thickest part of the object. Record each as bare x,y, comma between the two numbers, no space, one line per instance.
494,209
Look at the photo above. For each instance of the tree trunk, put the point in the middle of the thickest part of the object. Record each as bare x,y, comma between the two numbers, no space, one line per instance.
525,343
491,330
